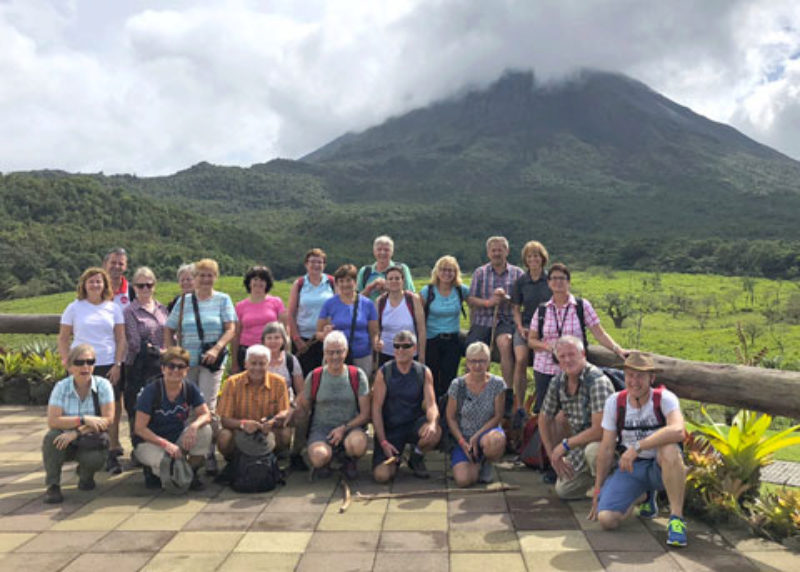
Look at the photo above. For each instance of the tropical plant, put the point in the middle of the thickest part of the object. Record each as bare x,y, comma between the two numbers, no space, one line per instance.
743,449
43,371
776,515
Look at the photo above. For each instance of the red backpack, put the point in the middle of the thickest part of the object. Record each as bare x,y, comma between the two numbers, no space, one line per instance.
622,405
316,378
409,298
532,451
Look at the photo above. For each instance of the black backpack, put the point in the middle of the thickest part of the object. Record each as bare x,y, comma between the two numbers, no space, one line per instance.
255,474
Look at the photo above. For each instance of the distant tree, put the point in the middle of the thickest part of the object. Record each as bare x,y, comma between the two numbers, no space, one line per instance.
619,307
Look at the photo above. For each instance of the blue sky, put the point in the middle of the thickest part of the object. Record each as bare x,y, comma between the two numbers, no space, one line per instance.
142,87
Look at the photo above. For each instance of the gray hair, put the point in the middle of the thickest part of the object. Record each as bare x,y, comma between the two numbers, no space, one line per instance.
257,350
383,239
79,350
144,271
492,239
116,250
572,341
405,336
335,337
185,268
276,328
478,348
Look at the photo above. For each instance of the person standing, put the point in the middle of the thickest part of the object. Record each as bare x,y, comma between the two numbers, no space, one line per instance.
371,280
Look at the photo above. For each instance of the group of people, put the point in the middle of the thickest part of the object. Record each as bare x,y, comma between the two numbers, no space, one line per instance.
367,348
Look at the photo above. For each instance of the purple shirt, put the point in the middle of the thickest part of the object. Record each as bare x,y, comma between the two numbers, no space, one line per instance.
141,325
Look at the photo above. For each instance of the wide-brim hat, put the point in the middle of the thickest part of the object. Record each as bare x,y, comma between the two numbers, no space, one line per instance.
176,474
639,361
254,444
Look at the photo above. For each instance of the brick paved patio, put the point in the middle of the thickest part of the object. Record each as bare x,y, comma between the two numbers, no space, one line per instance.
122,526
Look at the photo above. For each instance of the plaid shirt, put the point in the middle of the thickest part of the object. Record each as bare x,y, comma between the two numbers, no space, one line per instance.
593,390
568,320
242,399
484,282
141,325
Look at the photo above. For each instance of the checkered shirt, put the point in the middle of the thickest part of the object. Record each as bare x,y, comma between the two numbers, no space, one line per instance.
543,360
484,282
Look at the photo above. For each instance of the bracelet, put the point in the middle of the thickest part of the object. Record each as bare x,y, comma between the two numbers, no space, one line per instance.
565,444
384,442
596,491
462,441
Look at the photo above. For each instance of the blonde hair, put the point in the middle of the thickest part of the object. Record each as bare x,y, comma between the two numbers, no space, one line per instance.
108,293
144,271
206,264
446,260
534,246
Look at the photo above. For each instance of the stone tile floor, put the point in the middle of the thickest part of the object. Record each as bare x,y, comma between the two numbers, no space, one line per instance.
122,526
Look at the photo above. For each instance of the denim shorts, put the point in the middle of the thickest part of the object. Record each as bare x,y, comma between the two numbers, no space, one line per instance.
457,455
622,489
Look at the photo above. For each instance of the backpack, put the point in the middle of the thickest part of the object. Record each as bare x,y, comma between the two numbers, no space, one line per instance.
431,295
532,451
418,368
581,319
289,364
409,298
617,377
316,379
255,474
622,404
158,394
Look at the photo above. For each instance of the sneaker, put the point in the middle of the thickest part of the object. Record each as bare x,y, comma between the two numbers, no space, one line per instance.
519,419
649,508
151,480
416,462
485,473
196,484
549,477
86,484
297,463
113,465
211,466
350,469
676,531
53,495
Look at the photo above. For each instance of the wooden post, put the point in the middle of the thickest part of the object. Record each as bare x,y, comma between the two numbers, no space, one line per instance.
768,390
29,323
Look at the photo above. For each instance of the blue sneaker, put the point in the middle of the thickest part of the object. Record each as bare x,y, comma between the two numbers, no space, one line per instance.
649,508
676,531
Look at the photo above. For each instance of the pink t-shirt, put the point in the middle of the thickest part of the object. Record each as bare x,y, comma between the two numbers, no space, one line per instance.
254,317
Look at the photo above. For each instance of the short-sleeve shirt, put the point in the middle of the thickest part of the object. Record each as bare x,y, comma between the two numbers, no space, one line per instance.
593,390
560,322
242,398
65,396
341,316
643,417
476,410
283,371
444,312
529,293
254,316
335,403
170,417
484,282
374,274
214,312
310,301
93,324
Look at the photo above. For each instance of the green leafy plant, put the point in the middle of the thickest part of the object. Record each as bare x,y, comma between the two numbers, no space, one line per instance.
43,371
776,515
13,368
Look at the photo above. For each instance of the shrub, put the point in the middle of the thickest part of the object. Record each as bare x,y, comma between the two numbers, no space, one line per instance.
776,515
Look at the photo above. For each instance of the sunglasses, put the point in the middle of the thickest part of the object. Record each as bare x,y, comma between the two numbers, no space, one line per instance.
175,366
148,285
403,346
80,362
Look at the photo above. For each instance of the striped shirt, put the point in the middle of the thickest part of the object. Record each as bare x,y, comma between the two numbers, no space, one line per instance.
484,282
214,312
65,396
243,399
559,322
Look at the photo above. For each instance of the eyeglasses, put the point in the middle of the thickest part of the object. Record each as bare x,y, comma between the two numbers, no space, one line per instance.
81,362
143,285
477,361
403,346
334,352
175,366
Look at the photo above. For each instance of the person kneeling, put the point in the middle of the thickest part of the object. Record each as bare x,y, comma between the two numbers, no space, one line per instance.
646,422
403,387
254,400
79,412
337,399
172,420
475,406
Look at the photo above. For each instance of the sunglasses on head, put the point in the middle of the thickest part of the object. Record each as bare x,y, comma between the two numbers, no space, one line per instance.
87,361
175,366
403,346
148,285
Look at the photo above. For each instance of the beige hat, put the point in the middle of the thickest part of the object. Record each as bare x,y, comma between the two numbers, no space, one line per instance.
640,362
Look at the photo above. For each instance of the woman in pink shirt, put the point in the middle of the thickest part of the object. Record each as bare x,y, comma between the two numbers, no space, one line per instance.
254,313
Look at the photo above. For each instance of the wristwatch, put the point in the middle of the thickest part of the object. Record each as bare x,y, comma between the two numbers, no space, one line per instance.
637,447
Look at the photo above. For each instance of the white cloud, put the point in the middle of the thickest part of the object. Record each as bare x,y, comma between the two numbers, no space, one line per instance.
131,86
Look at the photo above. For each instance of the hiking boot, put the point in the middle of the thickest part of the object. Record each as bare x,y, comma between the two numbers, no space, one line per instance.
416,462
649,508
485,473
113,465
676,531
151,481
297,463
196,484
350,469
321,472
549,477
519,419
53,495
86,484
211,466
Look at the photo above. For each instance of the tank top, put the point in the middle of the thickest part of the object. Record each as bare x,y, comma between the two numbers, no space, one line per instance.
404,396
394,320
311,300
